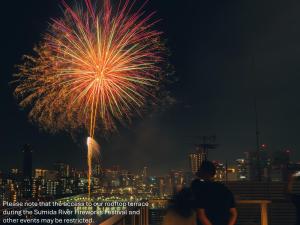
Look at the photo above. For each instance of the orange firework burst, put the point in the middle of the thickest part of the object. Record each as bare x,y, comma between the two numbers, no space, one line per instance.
94,66
91,65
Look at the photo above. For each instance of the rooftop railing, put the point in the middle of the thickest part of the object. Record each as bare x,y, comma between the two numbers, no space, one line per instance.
143,218
264,218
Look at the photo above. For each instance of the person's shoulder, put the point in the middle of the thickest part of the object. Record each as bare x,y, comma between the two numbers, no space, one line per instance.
197,184
220,186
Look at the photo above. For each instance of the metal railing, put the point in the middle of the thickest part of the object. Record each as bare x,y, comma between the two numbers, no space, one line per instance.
143,217
264,218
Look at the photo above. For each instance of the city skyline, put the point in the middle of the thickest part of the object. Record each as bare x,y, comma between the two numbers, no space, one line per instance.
246,165
211,49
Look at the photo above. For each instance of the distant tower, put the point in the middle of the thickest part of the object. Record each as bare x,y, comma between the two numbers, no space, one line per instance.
145,171
196,159
145,175
27,171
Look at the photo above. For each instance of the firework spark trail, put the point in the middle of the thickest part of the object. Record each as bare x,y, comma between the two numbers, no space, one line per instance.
95,66
93,151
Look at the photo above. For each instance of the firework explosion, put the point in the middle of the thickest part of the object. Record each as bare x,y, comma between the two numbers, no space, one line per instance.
96,66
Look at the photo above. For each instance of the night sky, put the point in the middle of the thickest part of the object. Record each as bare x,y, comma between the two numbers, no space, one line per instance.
212,45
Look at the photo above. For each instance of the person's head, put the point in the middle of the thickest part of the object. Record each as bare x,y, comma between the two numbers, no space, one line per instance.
207,170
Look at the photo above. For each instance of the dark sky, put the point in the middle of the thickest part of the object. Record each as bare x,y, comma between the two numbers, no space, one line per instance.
212,44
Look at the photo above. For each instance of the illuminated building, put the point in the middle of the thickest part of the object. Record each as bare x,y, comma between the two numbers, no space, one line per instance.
177,180
51,175
51,187
154,185
231,174
15,171
112,177
161,185
62,169
165,186
34,188
82,185
220,171
145,172
196,159
125,178
97,171
259,164
265,162
39,173
281,166
254,172
224,173
65,178
242,170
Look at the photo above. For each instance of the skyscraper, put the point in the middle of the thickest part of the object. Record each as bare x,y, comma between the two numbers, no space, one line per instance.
27,171
196,159
259,164
220,171
242,169
253,170
62,169
281,165
97,170
145,171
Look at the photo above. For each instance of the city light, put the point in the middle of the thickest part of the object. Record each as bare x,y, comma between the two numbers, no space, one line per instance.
96,66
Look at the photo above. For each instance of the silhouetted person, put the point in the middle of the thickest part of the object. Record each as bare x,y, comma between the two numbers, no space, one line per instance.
215,204
181,209
295,197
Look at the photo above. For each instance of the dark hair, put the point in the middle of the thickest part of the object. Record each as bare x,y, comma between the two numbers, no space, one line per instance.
182,203
207,168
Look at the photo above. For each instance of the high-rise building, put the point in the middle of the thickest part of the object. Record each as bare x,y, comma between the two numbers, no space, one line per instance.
196,159
164,185
52,187
178,180
145,175
112,177
281,165
220,171
254,172
97,170
259,164
242,170
63,169
51,175
39,173
231,174
145,171
27,171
